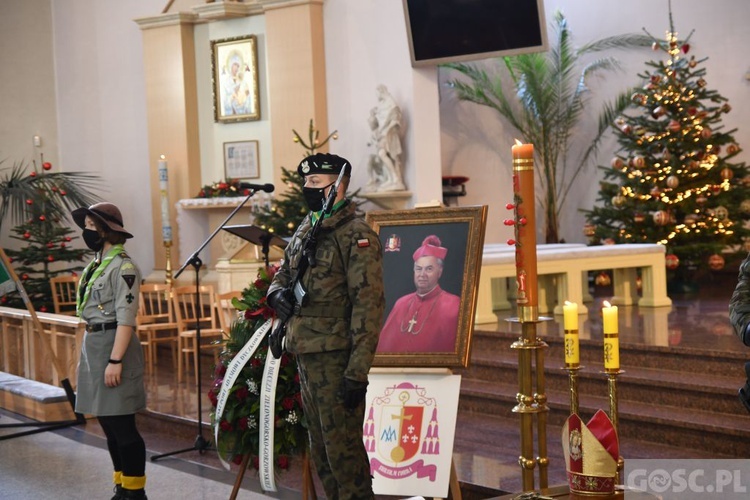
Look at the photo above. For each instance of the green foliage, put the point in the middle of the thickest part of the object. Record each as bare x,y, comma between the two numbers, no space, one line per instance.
239,425
40,202
287,210
674,179
545,103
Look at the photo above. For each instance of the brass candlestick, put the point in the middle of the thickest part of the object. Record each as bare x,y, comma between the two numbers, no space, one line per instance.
612,375
168,268
573,387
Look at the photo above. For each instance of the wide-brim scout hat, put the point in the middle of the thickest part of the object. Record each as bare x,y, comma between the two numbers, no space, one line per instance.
106,213
324,163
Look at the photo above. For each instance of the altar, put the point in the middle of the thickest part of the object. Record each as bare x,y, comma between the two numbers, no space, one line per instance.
229,262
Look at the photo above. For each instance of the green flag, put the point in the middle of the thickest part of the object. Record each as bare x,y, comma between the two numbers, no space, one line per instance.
7,284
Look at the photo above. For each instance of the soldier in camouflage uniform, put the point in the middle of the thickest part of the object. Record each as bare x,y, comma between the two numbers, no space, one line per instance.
110,369
739,304
334,332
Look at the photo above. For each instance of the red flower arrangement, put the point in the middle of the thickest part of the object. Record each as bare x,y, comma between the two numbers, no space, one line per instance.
239,425
227,188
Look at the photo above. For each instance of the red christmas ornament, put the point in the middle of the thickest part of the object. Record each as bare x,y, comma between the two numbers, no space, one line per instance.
29,201
62,244
24,277
62,193
716,262
685,48
510,206
692,110
674,125
509,222
727,173
33,174
43,309
50,245
42,218
706,133
671,261
67,238
27,235
523,221
46,165
50,258
511,242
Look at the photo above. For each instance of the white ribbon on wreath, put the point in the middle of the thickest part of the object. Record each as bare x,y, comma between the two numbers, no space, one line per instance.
267,398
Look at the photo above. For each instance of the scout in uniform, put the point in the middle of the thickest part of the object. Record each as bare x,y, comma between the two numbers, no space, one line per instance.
110,370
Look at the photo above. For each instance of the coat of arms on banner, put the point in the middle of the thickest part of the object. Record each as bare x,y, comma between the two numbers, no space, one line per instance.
408,434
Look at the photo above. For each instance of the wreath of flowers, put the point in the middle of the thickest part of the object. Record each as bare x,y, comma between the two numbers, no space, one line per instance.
226,189
238,428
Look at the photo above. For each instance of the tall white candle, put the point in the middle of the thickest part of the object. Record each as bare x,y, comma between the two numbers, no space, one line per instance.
166,226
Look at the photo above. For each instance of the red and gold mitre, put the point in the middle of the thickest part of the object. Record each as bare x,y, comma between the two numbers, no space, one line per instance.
591,452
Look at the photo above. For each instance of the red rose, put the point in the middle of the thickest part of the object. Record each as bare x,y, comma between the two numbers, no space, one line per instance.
220,370
242,393
258,283
298,398
255,362
225,426
296,378
242,423
287,403
212,397
283,462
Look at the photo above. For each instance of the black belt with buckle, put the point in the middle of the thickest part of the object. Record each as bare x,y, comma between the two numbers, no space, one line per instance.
99,327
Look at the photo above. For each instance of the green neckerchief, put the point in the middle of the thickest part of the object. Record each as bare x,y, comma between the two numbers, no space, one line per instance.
81,302
316,215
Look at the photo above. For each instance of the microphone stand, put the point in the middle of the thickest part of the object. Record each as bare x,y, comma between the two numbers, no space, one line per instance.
201,444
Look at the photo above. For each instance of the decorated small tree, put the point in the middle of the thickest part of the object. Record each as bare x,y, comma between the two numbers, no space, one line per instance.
42,200
289,208
675,179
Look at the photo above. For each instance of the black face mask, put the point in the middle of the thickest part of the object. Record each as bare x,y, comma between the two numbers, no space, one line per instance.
93,240
314,197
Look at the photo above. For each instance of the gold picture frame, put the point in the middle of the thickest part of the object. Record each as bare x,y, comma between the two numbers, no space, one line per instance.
241,160
406,236
234,68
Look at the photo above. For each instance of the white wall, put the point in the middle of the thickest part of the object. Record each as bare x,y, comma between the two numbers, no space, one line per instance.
101,116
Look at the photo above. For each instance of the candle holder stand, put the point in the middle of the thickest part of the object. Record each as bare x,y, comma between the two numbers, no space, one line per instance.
612,375
573,387
531,402
168,265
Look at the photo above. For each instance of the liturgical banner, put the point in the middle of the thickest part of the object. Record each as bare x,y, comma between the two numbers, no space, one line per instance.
410,422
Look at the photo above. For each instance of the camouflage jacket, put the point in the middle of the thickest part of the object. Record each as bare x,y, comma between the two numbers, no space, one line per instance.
343,308
739,304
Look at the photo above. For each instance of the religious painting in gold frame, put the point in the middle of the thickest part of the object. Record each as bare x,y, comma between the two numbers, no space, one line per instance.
431,263
234,67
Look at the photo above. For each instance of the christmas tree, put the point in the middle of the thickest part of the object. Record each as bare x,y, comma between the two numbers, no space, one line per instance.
287,210
46,248
674,180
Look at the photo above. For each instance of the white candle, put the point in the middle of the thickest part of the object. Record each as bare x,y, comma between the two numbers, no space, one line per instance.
166,226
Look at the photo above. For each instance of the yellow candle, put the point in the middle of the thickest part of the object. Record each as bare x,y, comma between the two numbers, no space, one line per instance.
611,337
570,315
570,321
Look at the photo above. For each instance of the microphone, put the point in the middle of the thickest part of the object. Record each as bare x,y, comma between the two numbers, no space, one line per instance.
268,188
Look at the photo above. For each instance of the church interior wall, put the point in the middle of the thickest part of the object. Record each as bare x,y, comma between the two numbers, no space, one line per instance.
80,85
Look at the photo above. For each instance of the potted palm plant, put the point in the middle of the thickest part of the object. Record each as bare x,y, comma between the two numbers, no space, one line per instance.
542,95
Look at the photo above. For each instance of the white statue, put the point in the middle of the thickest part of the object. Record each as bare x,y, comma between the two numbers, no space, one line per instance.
385,167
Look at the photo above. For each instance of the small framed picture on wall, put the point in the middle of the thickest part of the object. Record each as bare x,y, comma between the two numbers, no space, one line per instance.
241,160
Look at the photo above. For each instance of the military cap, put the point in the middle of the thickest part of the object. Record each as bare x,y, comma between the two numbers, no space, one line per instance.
324,163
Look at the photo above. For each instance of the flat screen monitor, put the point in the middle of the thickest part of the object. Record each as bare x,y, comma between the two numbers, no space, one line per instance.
442,31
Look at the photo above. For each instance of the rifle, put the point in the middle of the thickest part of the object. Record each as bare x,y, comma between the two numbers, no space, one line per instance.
309,245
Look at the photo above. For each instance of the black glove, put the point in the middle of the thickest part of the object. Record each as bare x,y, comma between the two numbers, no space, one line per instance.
282,302
276,341
354,393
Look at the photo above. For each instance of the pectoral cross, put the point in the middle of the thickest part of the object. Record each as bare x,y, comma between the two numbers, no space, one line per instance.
412,322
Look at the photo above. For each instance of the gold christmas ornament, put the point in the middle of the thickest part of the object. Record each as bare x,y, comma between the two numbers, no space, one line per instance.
671,261
716,262
661,218
602,279
673,181
727,173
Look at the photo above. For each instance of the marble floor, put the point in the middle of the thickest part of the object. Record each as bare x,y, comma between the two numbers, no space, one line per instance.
699,320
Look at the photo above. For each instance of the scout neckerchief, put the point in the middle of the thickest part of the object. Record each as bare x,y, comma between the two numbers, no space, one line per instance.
86,284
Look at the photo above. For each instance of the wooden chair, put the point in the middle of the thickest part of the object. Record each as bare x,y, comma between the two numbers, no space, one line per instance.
226,311
156,323
64,289
188,317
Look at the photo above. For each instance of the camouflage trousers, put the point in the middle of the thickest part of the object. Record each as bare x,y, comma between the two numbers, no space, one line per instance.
336,445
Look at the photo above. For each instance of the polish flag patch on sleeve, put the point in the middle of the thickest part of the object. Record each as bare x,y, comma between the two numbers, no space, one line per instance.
363,243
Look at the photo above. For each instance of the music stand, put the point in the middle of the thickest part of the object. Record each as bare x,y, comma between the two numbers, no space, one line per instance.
201,443
258,236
